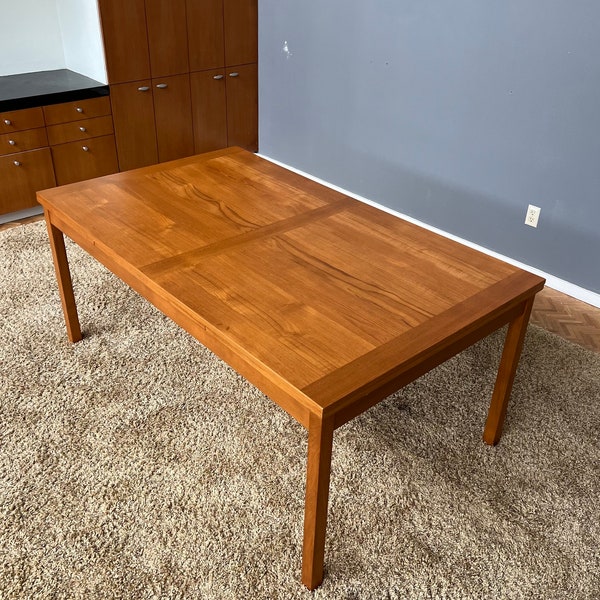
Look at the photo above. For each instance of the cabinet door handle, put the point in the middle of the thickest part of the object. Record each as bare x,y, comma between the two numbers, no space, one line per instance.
79,109
12,142
82,129
85,148
234,74
143,88
7,122
16,163
161,86
217,76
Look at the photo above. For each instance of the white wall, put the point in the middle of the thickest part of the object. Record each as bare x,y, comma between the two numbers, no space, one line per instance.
43,35
30,37
82,37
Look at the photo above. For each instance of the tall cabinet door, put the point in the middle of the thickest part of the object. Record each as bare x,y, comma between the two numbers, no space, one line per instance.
166,22
242,106
173,116
205,33
125,40
241,31
209,110
133,117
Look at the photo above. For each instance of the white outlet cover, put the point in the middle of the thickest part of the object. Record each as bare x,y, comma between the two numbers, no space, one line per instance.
533,215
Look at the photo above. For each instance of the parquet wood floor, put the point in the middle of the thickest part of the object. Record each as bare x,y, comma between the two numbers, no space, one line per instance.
572,319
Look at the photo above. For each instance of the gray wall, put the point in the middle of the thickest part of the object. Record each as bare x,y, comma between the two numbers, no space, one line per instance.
459,114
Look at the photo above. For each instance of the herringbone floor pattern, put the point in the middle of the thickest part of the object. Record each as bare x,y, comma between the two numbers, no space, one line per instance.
572,319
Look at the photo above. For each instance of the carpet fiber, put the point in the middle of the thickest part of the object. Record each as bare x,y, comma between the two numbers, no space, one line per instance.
135,464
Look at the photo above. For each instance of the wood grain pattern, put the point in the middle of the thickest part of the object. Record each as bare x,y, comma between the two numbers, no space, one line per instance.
125,40
20,141
135,129
80,130
18,120
167,37
324,303
76,111
84,159
22,175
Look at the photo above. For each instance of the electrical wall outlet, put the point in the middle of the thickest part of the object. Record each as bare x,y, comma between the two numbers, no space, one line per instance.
532,216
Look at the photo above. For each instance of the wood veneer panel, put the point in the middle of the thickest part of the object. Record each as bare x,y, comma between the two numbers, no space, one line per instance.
173,117
167,37
135,131
209,110
242,107
20,182
241,31
125,40
206,34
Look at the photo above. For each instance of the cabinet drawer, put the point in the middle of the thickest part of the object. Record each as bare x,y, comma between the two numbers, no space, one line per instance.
17,120
20,141
75,111
79,160
80,130
21,176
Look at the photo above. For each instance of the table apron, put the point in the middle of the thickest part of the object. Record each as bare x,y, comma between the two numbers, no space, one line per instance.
377,391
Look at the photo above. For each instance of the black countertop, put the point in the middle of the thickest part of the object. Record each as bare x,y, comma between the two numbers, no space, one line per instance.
47,87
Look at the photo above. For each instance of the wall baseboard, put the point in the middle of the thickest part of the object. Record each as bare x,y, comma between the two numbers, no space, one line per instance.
553,282
21,214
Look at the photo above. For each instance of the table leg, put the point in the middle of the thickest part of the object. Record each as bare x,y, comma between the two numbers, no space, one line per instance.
63,276
506,374
320,443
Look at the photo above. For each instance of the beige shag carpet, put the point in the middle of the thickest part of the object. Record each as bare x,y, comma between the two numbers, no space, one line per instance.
135,464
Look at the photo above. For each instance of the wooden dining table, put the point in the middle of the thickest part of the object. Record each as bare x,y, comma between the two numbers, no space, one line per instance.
325,303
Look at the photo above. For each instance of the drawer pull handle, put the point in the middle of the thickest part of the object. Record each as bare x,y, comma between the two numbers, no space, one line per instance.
79,109
143,88
82,129
161,86
12,142
217,76
85,148
7,122
234,74
16,163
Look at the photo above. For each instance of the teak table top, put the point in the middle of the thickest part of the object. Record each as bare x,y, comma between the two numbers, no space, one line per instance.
326,304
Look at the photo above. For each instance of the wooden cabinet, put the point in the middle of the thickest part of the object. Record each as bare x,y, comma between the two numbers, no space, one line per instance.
19,120
222,33
152,121
166,24
242,106
25,160
20,141
173,117
82,140
135,131
224,101
85,159
52,145
240,19
125,40
206,34
79,130
22,175
225,105
209,101
75,111
160,57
